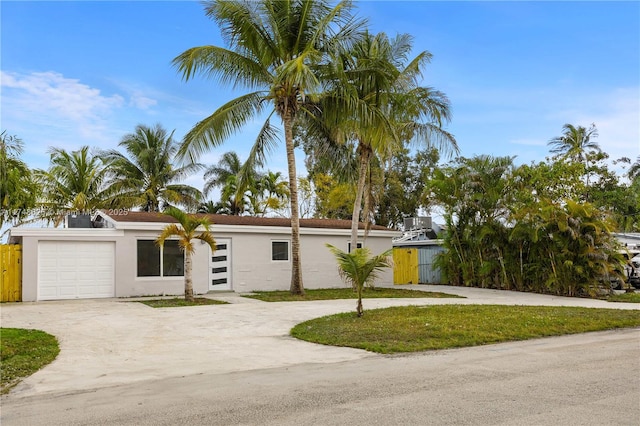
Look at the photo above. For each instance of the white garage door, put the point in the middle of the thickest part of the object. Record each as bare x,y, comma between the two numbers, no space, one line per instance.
75,270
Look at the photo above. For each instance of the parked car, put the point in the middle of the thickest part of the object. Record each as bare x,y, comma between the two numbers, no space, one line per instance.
631,270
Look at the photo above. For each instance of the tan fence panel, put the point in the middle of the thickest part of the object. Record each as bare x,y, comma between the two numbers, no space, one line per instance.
10,273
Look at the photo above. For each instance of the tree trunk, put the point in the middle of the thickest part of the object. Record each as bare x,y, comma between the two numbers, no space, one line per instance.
362,175
188,279
359,309
296,269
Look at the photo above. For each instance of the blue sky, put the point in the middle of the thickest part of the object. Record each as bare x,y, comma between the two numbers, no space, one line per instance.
86,73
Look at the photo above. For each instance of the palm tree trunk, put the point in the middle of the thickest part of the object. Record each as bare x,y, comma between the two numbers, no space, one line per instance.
188,278
362,175
296,269
359,308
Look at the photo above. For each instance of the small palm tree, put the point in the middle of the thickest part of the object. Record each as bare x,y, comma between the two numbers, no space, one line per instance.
359,268
187,230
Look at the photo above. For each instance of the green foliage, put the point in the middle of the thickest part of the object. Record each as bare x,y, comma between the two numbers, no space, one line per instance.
176,302
359,268
422,328
509,228
75,181
334,199
345,293
625,298
146,176
187,229
19,190
23,352
278,51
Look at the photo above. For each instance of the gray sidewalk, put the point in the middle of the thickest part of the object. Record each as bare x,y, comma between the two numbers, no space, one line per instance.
117,341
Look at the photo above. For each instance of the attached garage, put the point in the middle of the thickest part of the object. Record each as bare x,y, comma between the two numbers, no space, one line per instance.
76,269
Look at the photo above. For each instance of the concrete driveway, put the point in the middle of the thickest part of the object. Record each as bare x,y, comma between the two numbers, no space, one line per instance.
117,341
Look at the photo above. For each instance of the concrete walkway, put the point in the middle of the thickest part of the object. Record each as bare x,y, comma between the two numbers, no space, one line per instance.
116,341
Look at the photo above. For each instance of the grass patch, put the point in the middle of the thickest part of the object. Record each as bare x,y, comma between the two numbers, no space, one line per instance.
624,297
177,302
344,293
23,352
421,328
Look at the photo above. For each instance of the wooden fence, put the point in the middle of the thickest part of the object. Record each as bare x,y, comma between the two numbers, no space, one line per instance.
10,273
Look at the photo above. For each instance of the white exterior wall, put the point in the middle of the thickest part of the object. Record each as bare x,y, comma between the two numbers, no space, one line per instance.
253,269
251,264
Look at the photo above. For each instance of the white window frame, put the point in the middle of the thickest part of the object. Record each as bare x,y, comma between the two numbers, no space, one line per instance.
288,259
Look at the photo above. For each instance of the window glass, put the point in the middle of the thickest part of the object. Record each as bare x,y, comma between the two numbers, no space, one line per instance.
279,250
148,259
358,245
172,259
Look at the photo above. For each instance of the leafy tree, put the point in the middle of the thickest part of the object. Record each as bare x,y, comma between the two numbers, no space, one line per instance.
18,188
402,188
634,170
75,182
274,48
187,230
359,268
146,176
334,199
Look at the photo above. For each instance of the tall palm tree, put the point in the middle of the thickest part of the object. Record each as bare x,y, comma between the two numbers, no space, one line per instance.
146,176
359,268
216,176
75,181
18,188
274,47
376,100
575,142
187,230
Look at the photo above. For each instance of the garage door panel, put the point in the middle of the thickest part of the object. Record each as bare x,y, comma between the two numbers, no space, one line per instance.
73,269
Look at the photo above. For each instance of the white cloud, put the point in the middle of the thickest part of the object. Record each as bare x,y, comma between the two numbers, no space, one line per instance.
48,109
138,100
52,94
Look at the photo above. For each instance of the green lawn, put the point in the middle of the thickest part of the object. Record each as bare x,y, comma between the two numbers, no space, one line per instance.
23,352
421,328
343,293
625,297
177,302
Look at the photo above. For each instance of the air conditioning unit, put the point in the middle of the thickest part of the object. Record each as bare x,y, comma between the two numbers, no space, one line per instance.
79,221
411,223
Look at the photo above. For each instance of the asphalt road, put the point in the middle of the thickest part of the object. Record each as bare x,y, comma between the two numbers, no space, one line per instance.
588,379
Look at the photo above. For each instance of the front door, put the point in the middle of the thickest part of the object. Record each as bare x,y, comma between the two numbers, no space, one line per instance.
220,266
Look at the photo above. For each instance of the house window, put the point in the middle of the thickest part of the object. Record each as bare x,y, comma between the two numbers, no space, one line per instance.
280,251
156,261
358,245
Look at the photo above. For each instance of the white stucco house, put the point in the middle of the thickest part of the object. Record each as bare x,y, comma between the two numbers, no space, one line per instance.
115,255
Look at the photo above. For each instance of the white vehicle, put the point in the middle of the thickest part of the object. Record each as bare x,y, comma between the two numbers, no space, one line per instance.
631,270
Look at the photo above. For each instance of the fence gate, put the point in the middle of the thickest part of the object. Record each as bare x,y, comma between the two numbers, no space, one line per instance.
405,269
10,273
